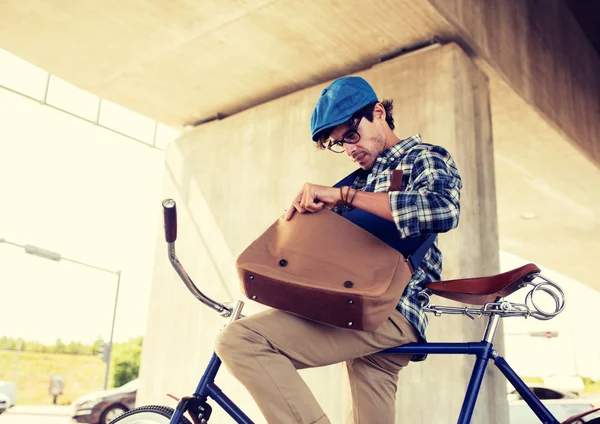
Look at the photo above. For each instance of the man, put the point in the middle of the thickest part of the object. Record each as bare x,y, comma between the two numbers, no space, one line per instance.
265,351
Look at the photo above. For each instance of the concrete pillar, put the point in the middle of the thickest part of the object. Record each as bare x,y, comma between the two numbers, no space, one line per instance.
441,94
233,178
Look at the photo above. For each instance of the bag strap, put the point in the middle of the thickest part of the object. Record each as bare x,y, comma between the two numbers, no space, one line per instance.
415,259
348,180
396,183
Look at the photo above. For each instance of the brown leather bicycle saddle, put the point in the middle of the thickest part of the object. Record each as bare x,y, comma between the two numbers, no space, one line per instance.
482,290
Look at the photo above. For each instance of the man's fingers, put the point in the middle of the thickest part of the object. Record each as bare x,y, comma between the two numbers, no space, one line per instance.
295,207
308,199
315,207
305,201
290,213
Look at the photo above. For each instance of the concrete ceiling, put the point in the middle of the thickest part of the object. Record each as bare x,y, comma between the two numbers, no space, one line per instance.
548,192
185,61
182,61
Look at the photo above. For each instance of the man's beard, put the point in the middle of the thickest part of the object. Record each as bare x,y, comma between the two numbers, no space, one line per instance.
372,154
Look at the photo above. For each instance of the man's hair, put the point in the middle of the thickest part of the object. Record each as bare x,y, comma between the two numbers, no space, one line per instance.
367,113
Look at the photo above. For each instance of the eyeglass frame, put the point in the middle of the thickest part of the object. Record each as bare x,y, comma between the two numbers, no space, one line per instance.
344,140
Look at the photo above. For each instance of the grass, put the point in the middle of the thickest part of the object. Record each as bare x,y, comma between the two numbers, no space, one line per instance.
592,387
83,374
589,386
533,380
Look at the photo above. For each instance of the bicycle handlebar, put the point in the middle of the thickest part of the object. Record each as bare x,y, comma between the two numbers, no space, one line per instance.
170,219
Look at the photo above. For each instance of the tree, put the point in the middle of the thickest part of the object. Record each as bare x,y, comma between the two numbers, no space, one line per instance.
126,361
59,347
8,343
98,346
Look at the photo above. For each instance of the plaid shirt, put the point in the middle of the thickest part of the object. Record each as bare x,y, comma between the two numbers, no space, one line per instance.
429,202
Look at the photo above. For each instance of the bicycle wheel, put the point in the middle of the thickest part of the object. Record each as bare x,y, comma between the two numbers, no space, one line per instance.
151,414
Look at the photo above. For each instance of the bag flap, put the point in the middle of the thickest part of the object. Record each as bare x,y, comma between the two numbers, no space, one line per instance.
323,250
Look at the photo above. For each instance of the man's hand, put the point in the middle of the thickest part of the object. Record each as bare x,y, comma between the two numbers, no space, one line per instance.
313,198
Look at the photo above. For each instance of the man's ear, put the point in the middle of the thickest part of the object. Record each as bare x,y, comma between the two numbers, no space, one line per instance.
379,111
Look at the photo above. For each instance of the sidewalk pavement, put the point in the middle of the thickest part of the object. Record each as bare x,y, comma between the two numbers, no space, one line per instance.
40,410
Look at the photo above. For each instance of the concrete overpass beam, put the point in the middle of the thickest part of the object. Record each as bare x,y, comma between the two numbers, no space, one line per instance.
539,49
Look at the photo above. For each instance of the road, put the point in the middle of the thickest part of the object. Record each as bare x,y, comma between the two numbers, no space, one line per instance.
36,415
8,418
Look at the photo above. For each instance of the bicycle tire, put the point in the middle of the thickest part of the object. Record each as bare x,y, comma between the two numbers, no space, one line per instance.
150,414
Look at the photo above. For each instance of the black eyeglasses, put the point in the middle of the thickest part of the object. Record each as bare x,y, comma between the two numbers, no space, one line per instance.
350,137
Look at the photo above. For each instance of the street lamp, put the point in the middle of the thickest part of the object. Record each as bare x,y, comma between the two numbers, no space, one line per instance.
53,256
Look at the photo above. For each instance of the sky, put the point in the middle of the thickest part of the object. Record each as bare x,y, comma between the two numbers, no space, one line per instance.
89,194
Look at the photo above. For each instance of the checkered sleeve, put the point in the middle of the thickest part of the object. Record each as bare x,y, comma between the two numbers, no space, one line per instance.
431,201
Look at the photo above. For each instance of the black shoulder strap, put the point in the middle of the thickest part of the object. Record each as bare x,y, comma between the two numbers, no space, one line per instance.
378,226
348,180
418,255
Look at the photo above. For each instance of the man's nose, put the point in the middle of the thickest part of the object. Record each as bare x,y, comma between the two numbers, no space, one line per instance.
349,148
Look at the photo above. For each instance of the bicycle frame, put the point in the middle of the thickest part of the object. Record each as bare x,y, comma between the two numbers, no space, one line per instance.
483,351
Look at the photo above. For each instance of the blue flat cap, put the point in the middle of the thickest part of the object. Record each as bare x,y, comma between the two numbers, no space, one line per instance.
339,102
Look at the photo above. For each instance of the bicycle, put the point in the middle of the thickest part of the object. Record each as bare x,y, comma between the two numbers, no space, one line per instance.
486,292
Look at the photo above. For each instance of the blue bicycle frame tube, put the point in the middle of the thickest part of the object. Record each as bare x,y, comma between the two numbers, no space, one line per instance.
229,407
176,417
482,350
534,403
209,376
472,348
207,388
483,356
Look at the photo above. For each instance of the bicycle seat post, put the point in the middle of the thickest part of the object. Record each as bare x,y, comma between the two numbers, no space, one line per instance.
492,325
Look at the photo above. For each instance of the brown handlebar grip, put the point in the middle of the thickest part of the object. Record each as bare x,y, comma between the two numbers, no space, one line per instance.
170,214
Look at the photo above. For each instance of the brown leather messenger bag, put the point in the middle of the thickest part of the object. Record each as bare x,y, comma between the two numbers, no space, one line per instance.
340,271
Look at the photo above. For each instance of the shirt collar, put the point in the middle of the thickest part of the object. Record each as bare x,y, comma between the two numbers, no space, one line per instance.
388,156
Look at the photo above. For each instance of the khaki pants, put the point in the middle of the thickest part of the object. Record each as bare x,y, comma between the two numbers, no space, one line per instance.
264,352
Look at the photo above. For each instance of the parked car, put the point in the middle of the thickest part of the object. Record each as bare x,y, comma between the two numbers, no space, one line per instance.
4,402
562,404
104,406
8,395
